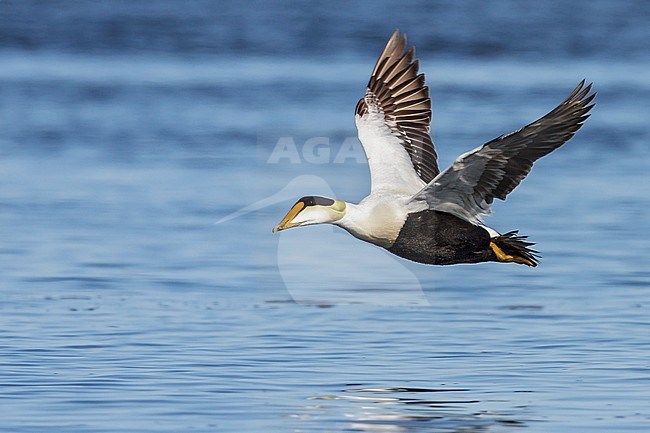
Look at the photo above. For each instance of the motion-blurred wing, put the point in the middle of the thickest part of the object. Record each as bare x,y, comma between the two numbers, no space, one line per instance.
468,187
393,121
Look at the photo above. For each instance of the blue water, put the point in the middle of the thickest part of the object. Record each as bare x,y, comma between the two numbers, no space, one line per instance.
130,302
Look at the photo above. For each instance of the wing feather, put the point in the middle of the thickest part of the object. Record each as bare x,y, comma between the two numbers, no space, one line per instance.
393,119
468,187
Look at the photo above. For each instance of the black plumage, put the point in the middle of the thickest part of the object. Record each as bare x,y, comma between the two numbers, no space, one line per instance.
438,238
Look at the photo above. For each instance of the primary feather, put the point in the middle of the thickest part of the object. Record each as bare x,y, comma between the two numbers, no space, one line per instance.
469,185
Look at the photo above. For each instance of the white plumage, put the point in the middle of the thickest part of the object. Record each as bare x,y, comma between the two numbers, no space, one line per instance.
413,209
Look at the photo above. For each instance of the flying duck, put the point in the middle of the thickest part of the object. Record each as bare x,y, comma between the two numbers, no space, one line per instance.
414,210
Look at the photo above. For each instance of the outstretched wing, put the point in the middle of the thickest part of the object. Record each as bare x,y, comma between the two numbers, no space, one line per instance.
468,187
393,121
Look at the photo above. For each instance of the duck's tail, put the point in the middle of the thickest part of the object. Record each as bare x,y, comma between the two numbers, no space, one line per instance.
513,248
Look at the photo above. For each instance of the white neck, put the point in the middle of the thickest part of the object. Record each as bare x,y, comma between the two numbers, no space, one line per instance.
377,219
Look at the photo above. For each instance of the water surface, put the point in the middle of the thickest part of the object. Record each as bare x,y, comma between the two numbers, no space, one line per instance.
129,131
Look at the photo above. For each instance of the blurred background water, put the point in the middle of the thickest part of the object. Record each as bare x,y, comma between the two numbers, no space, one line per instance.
127,129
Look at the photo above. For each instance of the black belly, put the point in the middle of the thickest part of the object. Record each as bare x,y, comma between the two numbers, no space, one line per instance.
439,238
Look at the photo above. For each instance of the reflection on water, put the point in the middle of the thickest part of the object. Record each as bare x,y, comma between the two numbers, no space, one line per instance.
416,409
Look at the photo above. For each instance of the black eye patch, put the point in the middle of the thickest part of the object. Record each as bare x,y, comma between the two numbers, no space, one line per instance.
316,201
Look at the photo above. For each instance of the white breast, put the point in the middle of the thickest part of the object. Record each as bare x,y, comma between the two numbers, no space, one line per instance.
378,218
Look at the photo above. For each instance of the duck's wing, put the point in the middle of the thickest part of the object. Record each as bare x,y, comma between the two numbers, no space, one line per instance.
393,121
468,187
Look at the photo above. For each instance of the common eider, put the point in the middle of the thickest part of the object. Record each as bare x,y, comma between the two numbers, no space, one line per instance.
414,210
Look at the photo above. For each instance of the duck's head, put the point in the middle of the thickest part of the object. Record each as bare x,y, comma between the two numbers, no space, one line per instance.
312,210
